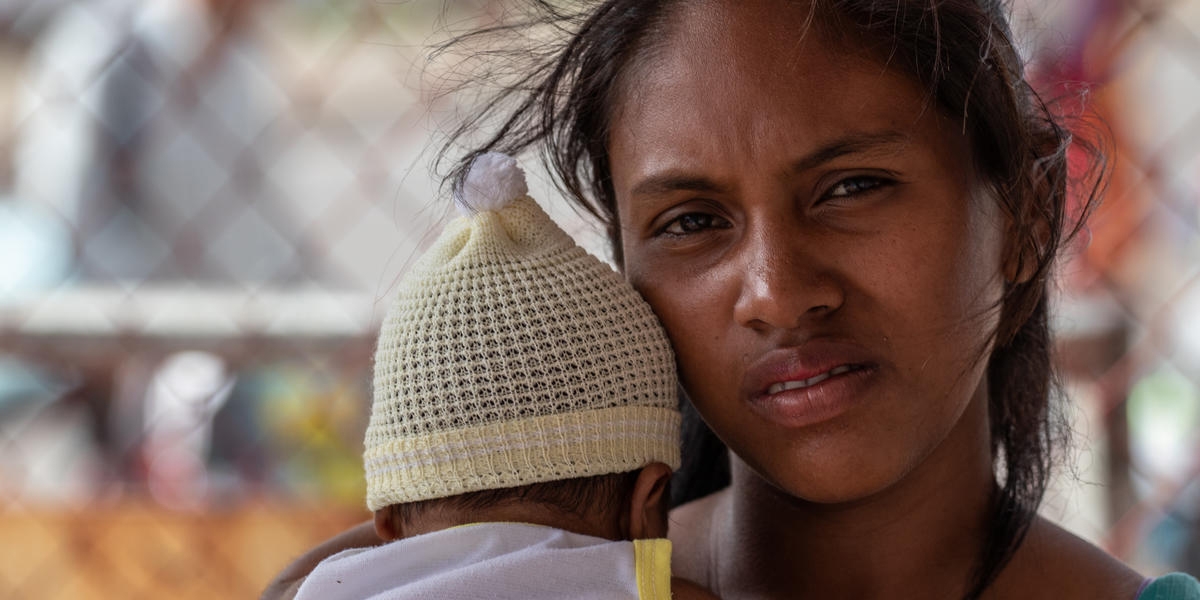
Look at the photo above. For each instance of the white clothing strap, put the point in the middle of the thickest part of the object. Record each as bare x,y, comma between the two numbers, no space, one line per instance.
500,561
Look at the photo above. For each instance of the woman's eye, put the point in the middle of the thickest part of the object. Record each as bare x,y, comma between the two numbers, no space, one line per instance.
693,223
855,185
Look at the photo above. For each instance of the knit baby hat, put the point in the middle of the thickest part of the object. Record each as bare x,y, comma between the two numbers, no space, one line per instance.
511,356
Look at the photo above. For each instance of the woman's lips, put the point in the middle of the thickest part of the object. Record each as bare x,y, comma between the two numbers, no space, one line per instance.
811,381
829,397
809,384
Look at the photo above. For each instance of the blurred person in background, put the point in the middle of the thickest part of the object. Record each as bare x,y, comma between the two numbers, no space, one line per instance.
22,19
145,131
148,126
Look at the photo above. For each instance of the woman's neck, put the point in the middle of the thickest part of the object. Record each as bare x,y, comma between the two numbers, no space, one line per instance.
922,535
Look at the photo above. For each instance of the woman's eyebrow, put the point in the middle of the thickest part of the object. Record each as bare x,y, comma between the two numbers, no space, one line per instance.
672,181
850,144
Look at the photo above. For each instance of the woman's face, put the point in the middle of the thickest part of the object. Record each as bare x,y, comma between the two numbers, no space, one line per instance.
811,233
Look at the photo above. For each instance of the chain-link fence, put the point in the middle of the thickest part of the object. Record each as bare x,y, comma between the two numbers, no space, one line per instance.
203,205
1126,320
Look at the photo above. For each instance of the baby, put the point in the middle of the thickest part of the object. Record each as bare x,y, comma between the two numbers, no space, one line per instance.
524,423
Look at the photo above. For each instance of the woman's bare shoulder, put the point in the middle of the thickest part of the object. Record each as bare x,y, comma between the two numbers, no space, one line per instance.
682,589
1054,563
691,530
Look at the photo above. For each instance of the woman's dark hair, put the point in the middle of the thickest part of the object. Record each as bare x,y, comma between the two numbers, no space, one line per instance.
963,52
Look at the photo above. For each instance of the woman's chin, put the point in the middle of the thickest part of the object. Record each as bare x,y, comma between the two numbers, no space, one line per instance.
831,482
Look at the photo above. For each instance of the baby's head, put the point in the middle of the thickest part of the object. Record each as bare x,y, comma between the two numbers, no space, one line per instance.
518,378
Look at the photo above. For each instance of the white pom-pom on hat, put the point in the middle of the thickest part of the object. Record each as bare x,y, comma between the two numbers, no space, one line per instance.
493,181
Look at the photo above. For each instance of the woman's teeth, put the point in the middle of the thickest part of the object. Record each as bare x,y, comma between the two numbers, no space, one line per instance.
811,381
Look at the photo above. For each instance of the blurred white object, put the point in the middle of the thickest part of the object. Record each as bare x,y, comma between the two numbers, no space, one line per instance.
1185,328
36,248
145,127
184,395
1164,416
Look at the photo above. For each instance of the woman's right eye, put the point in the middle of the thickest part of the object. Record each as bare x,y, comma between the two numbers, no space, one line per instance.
690,223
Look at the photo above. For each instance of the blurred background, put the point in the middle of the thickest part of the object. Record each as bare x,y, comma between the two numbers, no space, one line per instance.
204,205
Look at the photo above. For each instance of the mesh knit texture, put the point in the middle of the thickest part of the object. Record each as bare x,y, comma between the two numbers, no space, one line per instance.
511,356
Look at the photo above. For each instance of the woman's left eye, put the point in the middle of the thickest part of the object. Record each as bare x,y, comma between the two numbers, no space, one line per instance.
855,185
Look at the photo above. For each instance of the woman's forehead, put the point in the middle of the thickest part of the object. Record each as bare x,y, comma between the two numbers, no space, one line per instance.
730,84
708,52
758,36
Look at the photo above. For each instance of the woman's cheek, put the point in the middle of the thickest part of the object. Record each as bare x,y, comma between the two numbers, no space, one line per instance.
690,308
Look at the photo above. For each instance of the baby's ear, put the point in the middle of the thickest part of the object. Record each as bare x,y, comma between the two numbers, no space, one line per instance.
648,504
387,525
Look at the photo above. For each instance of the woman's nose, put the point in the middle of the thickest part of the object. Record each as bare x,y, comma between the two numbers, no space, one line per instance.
785,281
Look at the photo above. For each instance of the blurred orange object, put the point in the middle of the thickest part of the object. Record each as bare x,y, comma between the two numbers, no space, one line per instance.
137,549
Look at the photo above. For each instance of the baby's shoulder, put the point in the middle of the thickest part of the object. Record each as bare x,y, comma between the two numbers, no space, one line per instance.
1054,563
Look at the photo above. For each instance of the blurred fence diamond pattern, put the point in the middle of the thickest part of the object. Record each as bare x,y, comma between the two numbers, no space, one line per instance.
204,205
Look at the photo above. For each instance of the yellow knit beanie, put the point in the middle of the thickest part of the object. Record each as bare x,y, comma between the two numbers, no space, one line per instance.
511,356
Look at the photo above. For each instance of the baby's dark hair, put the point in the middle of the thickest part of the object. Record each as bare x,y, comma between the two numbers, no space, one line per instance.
580,496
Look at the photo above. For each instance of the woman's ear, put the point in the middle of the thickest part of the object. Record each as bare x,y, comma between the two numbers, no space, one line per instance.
1024,248
648,504
387,525
1030,224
